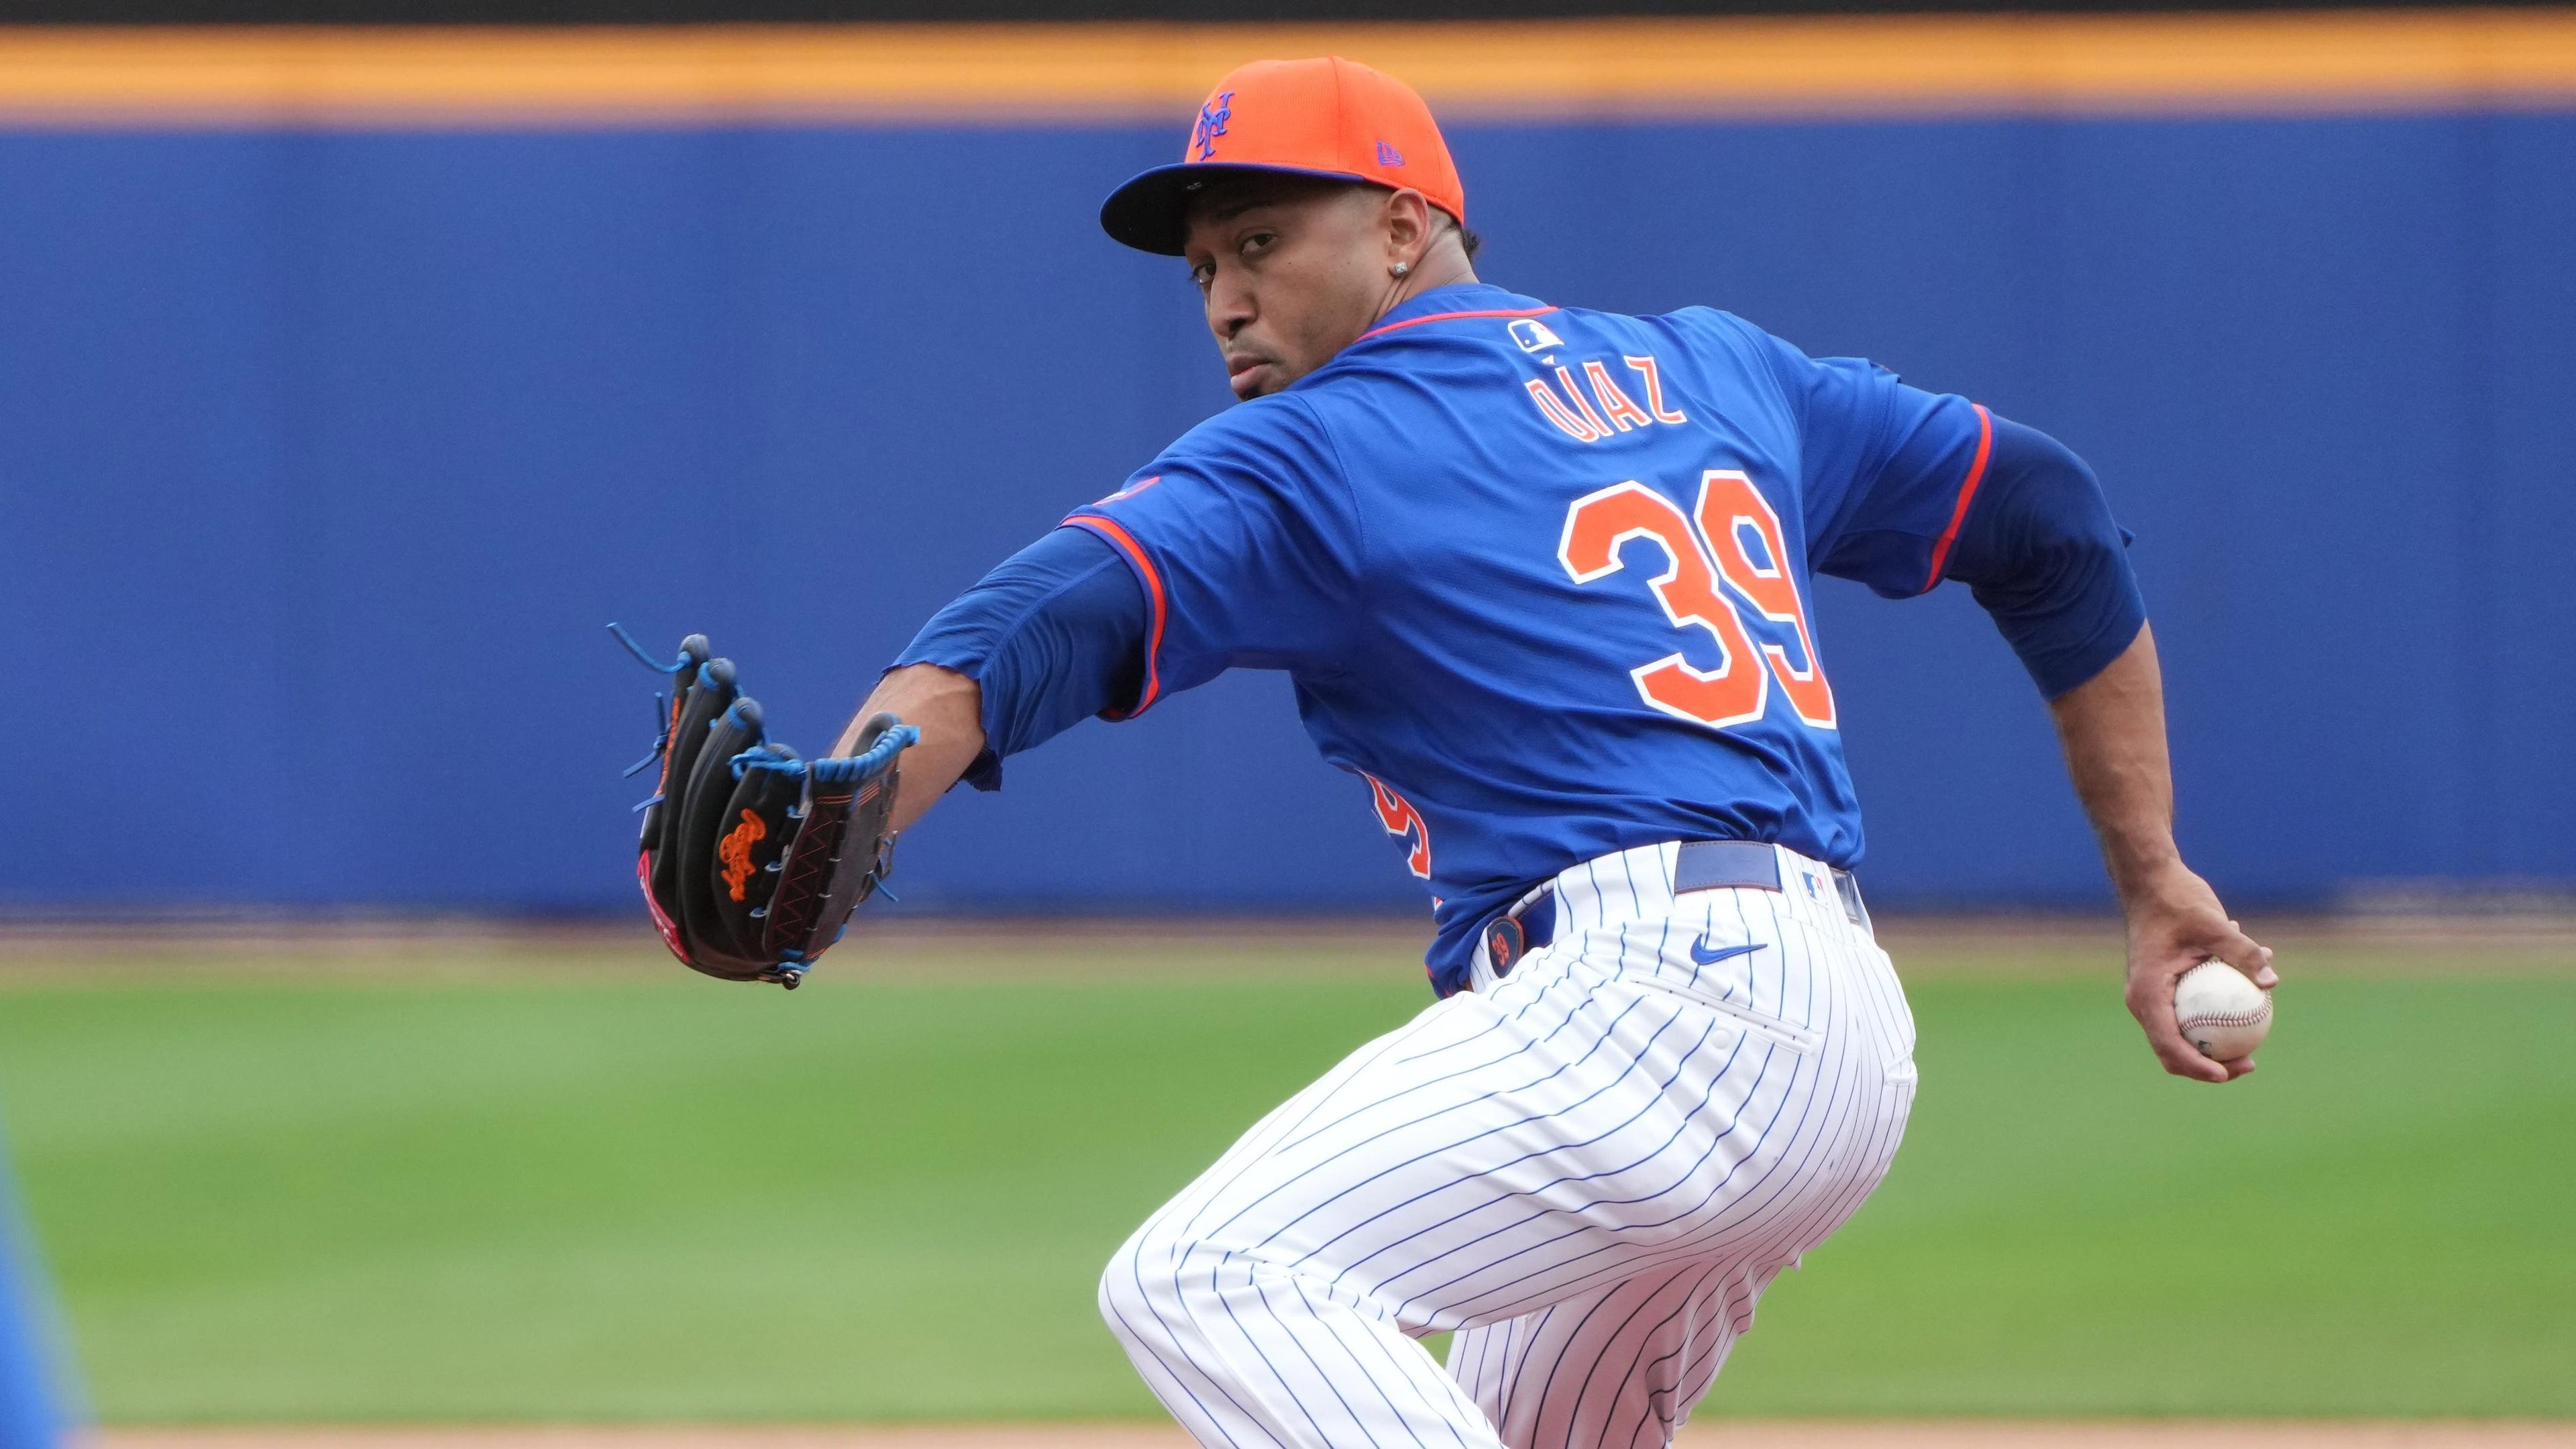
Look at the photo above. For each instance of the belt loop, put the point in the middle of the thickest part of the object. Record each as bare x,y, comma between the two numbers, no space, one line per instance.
1848,887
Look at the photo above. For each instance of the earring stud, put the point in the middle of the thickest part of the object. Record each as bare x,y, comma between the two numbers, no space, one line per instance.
1400,269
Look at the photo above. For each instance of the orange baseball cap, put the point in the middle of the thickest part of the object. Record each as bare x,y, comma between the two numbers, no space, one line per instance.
1322,117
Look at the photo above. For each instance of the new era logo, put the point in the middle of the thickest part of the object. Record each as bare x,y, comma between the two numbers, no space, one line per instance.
1389,156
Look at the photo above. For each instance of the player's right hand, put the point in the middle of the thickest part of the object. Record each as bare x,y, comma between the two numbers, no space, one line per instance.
2175,923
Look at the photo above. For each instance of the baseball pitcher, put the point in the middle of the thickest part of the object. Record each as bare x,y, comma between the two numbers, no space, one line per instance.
1541,577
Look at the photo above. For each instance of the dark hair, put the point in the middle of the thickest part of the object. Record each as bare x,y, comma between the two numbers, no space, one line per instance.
1470,241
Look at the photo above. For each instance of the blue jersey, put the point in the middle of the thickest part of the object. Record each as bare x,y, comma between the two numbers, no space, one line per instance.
1541,576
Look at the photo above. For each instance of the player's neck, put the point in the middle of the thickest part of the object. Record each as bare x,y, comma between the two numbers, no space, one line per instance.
1445,266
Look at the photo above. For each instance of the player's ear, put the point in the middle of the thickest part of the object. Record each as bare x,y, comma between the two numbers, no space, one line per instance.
1408,224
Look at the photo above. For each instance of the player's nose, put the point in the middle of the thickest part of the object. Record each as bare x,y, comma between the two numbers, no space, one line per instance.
1229,310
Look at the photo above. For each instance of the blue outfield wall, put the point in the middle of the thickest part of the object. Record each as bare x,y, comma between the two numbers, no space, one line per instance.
324,456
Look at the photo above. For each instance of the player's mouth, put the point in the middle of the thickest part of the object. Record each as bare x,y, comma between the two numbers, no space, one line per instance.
1240,370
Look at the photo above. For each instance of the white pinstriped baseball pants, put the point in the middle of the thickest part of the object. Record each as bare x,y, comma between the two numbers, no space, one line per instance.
1590,1170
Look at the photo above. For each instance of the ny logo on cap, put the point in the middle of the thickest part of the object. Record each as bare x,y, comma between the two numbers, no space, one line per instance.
1212,119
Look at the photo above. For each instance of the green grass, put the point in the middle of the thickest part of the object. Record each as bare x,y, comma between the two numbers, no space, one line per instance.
482,1199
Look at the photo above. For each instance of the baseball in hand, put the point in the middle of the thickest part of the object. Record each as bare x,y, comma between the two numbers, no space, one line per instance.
2221,1012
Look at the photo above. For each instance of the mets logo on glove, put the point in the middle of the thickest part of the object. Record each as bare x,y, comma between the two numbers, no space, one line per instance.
735,851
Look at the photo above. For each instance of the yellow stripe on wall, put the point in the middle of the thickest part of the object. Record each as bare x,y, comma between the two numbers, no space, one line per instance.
1883,65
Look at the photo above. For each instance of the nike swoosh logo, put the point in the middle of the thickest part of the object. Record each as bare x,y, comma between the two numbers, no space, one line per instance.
1707,957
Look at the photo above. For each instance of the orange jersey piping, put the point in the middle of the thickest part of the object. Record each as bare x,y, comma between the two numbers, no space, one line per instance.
1120,539
1967,494
1452,317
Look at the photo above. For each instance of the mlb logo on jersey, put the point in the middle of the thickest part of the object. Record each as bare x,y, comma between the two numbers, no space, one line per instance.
1534,336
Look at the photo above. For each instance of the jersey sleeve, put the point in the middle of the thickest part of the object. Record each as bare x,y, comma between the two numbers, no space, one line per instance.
1887,471
1052,635
2045,557
1246,541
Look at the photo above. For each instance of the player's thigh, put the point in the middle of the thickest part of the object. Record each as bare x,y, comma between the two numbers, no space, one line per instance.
1499,1154
1619,1367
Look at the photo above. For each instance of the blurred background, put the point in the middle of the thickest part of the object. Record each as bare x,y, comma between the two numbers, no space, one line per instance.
359,361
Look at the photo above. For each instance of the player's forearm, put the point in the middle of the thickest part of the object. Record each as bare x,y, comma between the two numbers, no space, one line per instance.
2113,727
2113,730
947,707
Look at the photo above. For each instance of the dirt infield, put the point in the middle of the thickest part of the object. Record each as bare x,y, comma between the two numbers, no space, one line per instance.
36,952
1947,1434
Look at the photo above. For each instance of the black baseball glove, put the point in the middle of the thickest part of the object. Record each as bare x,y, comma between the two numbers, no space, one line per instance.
753,859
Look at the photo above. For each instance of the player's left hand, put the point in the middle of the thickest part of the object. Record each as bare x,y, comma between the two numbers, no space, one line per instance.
753,858
2175,923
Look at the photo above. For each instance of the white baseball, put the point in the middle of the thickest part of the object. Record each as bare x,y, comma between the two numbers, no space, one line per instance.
2221,1012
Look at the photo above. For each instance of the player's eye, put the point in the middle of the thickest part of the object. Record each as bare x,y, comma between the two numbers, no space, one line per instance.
1203,275
1259,242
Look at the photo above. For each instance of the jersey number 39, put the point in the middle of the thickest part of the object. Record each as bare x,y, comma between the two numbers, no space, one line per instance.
1715,544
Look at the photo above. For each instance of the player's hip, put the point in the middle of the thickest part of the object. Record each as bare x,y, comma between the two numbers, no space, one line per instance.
1776,941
